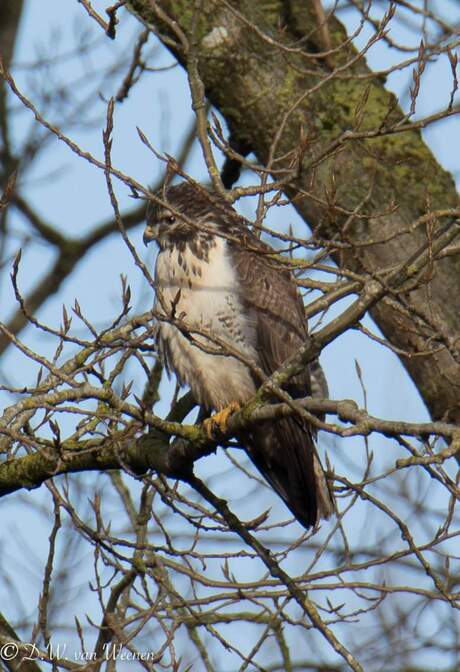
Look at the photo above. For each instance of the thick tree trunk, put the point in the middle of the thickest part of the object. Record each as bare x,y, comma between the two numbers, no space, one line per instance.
257,85
10,13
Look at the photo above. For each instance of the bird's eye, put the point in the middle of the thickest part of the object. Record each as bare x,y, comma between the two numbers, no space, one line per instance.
170,219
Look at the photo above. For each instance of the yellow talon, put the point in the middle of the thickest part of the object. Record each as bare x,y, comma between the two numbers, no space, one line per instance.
220,420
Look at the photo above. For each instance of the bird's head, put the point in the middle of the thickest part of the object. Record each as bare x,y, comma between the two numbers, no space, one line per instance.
179,222
192,213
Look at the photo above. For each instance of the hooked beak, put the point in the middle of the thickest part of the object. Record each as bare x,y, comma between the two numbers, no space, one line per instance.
149,235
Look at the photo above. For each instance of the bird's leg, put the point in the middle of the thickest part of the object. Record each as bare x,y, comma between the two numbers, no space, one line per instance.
220,420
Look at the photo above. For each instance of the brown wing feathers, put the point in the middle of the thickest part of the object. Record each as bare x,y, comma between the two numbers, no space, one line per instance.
284,452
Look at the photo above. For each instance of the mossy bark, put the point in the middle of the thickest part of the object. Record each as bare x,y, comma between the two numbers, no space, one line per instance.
254,84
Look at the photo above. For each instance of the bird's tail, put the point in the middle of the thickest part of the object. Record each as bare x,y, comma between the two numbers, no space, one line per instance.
286,456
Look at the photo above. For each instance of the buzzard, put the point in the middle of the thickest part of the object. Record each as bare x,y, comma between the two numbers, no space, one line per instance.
232,313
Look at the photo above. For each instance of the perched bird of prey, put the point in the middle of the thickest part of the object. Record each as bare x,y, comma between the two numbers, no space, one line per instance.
232,313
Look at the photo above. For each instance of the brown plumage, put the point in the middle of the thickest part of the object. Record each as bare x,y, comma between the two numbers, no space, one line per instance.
219,279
